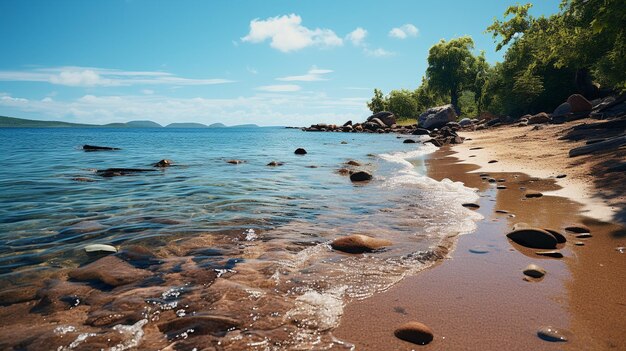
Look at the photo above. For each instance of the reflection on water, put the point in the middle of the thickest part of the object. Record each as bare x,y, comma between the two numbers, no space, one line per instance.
234,256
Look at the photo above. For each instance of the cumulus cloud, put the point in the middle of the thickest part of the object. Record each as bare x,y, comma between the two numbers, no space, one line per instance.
279,88
357,36
286,33
92,77
314,74
404,31
380,52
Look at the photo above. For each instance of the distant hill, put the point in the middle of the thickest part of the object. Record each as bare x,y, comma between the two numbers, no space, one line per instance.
187,125
11,122
143,124
245,126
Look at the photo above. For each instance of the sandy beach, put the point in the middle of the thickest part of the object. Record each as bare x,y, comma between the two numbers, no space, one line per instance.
478,297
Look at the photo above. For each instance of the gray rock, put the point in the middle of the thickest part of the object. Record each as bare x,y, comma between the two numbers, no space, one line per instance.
539,118
437,117
465,122
387,118
100,248
562,109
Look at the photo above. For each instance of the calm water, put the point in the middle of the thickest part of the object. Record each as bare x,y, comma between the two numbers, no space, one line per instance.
263,231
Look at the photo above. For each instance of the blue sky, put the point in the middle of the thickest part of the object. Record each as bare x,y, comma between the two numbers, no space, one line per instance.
235,62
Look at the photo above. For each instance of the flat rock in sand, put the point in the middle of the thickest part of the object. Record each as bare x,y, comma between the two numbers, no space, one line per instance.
533,237
578,228
532,270
358,243
415,332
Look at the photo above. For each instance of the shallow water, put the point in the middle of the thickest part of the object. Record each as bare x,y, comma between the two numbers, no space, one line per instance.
245,242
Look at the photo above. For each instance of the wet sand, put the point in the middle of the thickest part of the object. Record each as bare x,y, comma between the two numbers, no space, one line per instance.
482,302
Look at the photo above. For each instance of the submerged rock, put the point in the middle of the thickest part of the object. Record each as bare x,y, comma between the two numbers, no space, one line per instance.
99,148
408,141
415,332
235,162
360,176
300,151
275,164
109,270
163,163
534,271
533,237
116,172
199,324
353,163
358,243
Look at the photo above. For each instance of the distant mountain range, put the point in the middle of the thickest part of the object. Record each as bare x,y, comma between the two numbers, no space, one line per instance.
11,122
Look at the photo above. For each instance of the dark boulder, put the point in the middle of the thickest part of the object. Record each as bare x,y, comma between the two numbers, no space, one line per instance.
408,141
360,176
533,237
578,103
163,163
387,118
436,117
300,151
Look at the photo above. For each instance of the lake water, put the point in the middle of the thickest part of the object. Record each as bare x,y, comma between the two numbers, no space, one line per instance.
259,233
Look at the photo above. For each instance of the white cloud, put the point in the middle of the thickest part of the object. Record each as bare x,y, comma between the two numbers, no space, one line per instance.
313,75
265,108
357,36
404,31
279,88
288,34
380,52
91,77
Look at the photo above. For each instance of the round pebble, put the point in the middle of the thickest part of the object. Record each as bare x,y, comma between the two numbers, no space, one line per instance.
532,270
552,334
415,332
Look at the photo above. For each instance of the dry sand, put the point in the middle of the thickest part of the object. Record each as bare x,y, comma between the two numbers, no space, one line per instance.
481,301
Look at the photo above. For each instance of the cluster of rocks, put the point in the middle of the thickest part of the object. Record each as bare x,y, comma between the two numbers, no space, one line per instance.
437,122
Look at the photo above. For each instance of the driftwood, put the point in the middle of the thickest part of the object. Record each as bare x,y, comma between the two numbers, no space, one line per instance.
609,144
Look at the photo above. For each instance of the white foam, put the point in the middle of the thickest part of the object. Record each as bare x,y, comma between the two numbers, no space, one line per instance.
134,334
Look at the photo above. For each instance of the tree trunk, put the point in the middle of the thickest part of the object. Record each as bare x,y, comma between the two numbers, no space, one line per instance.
454,100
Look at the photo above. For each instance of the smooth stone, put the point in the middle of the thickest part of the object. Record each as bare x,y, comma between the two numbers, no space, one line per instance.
163,163
408,141
493,161
501,187
561,176
533,237
560,238
552,334
492,180
275,163
484,174
235,162
471,205
534,271
353,163
502,211
343,142
501,180
578,228
552,253
478,250
109,270
100,248
300,151
415,332
584,235
360,176
533,194
358,243
620,249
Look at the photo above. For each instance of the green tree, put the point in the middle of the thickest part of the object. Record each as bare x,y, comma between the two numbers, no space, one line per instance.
378,103
451,67
402,103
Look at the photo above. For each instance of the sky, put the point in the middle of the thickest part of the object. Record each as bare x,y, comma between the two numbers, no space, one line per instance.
235,62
